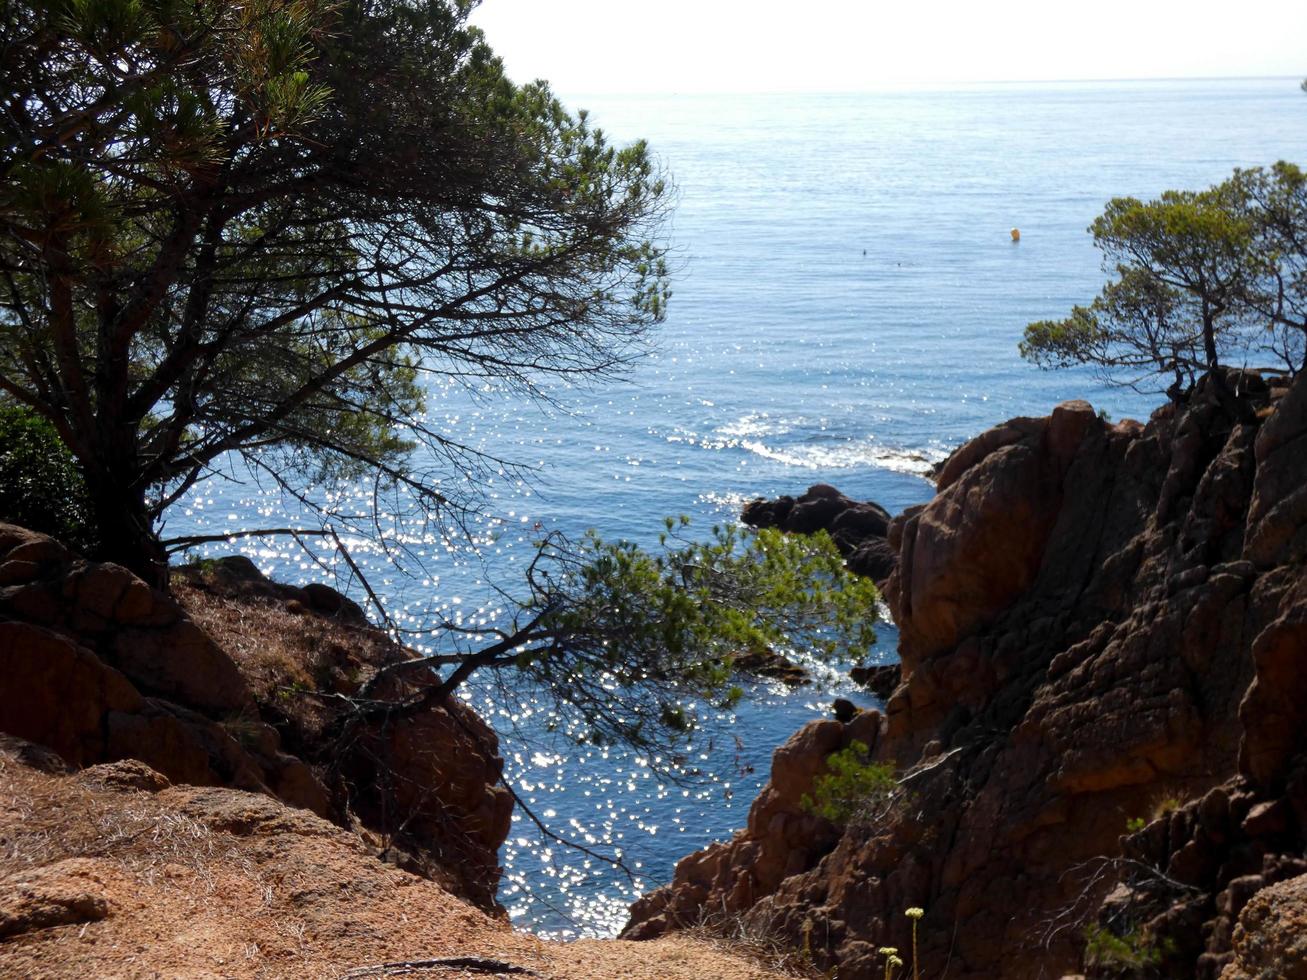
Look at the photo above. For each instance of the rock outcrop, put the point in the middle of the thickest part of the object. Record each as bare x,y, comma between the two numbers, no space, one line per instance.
424,787
98,668
1100,625
1271,937
858,528
113,871
781,838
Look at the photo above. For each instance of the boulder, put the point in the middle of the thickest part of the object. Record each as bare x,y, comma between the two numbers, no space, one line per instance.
762,513
817,510
881,680
108,611
328,601
874,559
857,528
124,775
769,663
1270,939
59,695
859,521
1091,620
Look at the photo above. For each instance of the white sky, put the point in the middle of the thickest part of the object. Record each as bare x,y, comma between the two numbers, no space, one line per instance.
599,46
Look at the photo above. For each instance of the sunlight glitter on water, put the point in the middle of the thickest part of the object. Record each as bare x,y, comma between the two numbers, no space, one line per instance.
848,313
610,800
607,799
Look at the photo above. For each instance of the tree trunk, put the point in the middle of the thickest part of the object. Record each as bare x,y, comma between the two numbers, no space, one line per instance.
1209,340
126,533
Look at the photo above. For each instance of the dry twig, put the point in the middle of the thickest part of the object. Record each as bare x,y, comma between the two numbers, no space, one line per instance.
476,964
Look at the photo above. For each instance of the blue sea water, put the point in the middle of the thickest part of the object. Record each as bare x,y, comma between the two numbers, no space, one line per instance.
847,307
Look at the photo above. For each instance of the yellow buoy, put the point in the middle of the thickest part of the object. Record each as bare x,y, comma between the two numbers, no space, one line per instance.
1016,234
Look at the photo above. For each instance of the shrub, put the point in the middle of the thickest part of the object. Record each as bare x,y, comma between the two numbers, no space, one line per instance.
1162,807
1128,955
853,786
1166,806
40,485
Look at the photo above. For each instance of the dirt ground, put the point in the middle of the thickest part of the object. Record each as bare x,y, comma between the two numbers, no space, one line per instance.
111,872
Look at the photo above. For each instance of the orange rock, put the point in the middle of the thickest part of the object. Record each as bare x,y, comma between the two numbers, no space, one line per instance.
99,668
1082,609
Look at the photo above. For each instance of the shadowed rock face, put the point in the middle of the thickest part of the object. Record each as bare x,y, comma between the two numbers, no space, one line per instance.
857,528
98,667
1082,610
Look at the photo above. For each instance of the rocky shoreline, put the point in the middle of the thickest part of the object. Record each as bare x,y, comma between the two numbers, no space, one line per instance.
858,528
1099,726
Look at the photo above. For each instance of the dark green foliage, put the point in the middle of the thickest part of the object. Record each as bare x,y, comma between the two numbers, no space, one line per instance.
1130,955
254,228
269,230
1136,328
633,642
1201,278
1275,290
40,486
853,788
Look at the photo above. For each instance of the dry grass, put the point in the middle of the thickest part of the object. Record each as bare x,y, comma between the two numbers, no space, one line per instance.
285,898
754,939
284,650
80,822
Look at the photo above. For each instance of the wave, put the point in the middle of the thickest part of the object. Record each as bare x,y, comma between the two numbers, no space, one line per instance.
848,455
811,444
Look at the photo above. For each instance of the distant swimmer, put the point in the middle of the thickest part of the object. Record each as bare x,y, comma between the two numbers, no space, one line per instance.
1016,235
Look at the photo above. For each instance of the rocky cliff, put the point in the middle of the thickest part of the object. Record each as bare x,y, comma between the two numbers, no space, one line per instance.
239,682
1101,727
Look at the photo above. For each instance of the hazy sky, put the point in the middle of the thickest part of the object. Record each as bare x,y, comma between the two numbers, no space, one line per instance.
594,46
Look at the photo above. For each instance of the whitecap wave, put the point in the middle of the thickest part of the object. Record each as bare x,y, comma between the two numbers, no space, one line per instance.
760,424
811,444
847,455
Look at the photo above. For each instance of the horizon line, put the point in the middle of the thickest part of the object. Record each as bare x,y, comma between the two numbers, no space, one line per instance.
945,83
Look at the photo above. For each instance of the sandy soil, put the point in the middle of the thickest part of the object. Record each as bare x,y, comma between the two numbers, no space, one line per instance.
110,872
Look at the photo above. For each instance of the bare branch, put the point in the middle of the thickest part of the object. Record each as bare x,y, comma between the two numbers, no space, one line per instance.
192,540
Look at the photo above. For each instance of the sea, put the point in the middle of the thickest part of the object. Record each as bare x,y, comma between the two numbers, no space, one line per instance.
847,305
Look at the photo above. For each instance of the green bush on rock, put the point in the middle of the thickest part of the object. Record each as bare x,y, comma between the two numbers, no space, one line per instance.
853,786
1128,955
